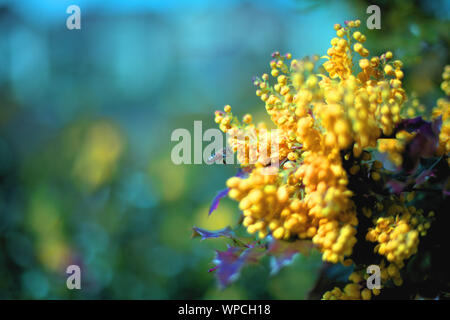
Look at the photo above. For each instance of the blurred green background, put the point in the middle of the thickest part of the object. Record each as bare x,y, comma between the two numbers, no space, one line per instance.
85,122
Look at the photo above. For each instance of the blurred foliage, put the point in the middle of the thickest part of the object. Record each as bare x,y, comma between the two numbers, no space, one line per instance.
85,123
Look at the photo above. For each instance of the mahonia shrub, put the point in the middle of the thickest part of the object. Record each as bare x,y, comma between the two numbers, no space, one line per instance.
363,173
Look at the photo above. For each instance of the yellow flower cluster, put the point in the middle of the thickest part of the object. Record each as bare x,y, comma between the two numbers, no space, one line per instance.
318,116
326,123
328,201
397,240
358,109
397,233
340,57
268,205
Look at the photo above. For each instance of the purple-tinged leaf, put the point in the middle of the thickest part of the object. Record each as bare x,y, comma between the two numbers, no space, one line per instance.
206,234
229,263
283,252
215,203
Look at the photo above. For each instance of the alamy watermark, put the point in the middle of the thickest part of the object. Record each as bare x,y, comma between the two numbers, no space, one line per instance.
374,21
74,20
74,278
374,281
